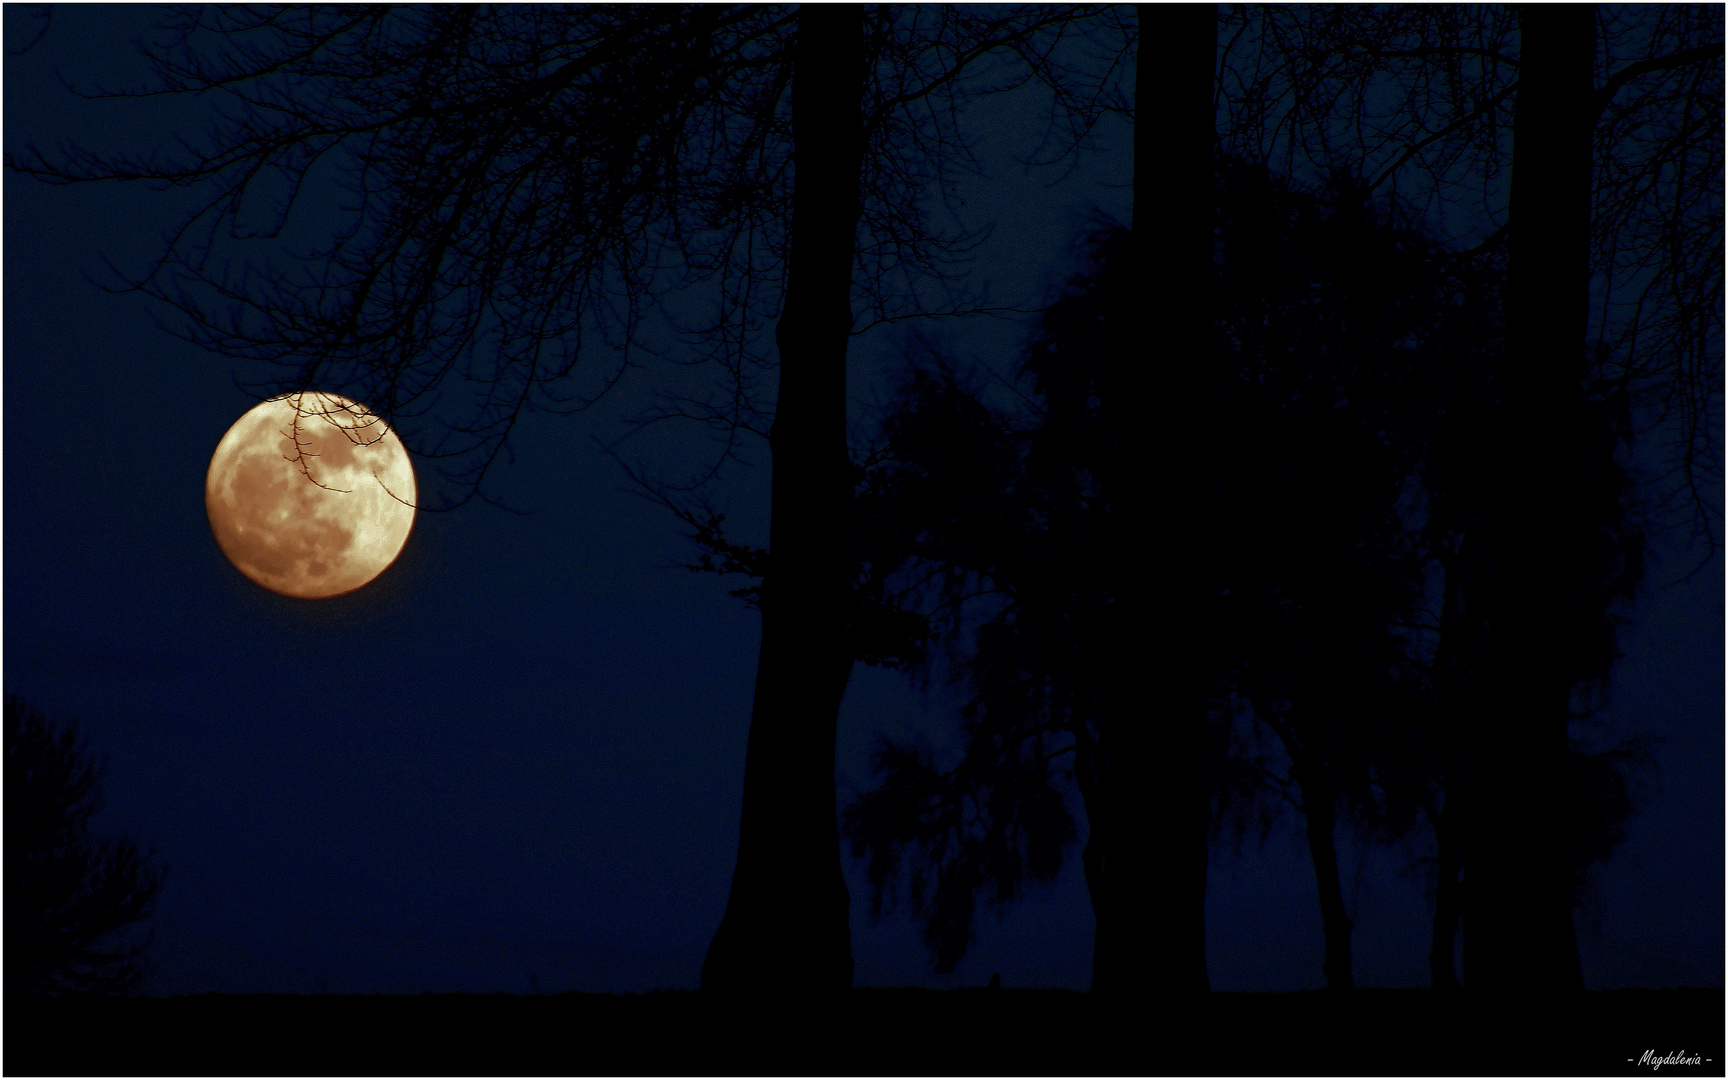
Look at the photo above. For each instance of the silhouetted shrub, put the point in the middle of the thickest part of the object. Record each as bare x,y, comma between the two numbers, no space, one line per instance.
73,901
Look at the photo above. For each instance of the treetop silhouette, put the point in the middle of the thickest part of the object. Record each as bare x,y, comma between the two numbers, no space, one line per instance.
73,900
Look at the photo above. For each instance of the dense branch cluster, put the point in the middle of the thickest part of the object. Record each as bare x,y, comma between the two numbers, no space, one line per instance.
1418,100
1657,239
397,199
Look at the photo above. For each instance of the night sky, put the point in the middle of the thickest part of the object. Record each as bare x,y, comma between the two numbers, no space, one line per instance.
515,761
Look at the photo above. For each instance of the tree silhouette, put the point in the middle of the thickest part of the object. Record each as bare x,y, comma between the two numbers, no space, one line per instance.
1146,850
1615,186
72,899
1351,346
973,504
525,188
1339,323
1018,507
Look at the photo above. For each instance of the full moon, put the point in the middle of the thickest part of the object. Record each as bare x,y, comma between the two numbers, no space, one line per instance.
310,495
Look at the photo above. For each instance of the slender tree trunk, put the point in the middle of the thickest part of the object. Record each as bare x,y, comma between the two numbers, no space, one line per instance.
1087,770
1447,895
1449,817
1151,932
1518,931
1319,810
785,926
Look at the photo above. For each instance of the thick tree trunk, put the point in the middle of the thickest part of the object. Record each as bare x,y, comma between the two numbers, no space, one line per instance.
785,927
1518,931
1151,931
1319,809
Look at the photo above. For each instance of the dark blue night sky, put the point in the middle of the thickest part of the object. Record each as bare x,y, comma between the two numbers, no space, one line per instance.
515,761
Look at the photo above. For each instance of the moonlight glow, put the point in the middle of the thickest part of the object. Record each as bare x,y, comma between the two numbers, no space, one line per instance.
310,495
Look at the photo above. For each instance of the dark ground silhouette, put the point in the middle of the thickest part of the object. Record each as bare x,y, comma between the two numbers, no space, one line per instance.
870,1032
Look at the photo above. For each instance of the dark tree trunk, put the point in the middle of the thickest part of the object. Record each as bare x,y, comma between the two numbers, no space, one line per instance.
1449,818
1151,931
1319,809
1447,895
785,926
1518,931
1087,770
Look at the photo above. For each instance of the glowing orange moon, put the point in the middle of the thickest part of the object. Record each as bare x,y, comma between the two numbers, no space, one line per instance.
310,495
